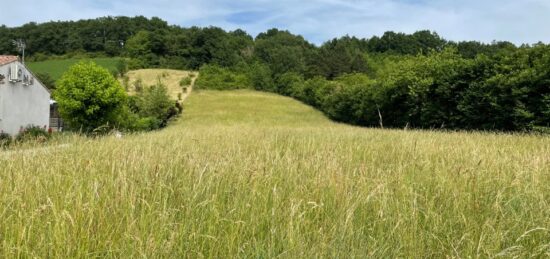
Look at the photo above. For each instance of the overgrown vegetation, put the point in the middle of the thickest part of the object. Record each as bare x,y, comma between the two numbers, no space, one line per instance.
151,108
506,91
185,82
5,140
33,133
91,100
247,174
415,80
30,134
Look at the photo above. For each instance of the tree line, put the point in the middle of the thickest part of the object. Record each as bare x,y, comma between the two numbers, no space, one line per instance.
415,80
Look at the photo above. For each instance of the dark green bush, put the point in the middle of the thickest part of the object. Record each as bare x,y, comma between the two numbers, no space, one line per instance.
219,78
5,140
186,81
150,109
32,133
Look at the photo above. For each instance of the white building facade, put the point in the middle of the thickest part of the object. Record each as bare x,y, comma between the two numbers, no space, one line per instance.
24,101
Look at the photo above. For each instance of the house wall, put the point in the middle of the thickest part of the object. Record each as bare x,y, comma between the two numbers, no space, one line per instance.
22,106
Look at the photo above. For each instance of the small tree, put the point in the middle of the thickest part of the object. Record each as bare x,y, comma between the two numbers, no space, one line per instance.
155,102
89,96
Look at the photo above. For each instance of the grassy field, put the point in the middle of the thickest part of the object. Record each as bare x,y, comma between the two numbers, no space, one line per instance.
56,68
169,77
248,174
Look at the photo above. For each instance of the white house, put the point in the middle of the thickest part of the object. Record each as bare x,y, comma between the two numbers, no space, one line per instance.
24,101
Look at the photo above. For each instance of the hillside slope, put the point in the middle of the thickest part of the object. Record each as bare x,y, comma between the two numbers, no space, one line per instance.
169,77
248,174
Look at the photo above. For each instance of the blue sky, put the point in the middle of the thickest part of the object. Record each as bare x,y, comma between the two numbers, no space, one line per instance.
519,21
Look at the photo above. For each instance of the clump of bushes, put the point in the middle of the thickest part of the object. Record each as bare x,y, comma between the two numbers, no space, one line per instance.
95,103
184,82
28,134
33,133
219,78
150,109
5,140
126,82
138,85
121,67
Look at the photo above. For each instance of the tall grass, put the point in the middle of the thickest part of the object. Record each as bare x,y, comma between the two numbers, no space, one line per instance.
247,174
169,77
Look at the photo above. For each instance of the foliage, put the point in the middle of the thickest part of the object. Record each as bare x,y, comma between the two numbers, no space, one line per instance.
121,67
138,85
442,89
219,78
150,109
33,133
186,81
142,49
5,140
260,76
415,80
89,96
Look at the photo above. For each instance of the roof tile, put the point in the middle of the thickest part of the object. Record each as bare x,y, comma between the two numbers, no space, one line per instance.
7,59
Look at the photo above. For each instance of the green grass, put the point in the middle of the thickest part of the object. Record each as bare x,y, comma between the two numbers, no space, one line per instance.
248,174
56,68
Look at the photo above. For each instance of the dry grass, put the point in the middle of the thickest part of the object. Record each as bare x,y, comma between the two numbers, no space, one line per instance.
247,174
169,77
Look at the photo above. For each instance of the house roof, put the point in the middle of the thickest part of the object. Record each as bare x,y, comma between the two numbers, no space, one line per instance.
7,59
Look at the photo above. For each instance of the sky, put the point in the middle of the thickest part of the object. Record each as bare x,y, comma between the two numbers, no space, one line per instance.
518,21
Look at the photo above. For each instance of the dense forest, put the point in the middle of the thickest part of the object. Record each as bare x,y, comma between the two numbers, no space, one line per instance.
417,80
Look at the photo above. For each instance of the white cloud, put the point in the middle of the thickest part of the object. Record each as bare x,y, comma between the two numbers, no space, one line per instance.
318,20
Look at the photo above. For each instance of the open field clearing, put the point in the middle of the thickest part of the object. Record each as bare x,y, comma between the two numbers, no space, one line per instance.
249,174
169,77
56,68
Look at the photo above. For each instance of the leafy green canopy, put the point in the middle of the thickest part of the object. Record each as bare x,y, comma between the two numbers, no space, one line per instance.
89,96
508,91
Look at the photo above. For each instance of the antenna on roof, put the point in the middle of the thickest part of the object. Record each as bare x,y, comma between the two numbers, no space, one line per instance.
20,45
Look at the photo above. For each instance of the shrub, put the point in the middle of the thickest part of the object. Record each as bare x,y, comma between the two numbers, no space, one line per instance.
121,67
218,78
32,133
261,77
5,139
150,109
126,82
138,85
89,96
184,82
541,130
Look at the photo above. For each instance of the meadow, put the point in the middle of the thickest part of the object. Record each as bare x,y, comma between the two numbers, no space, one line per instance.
56,68
168,77
249,174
